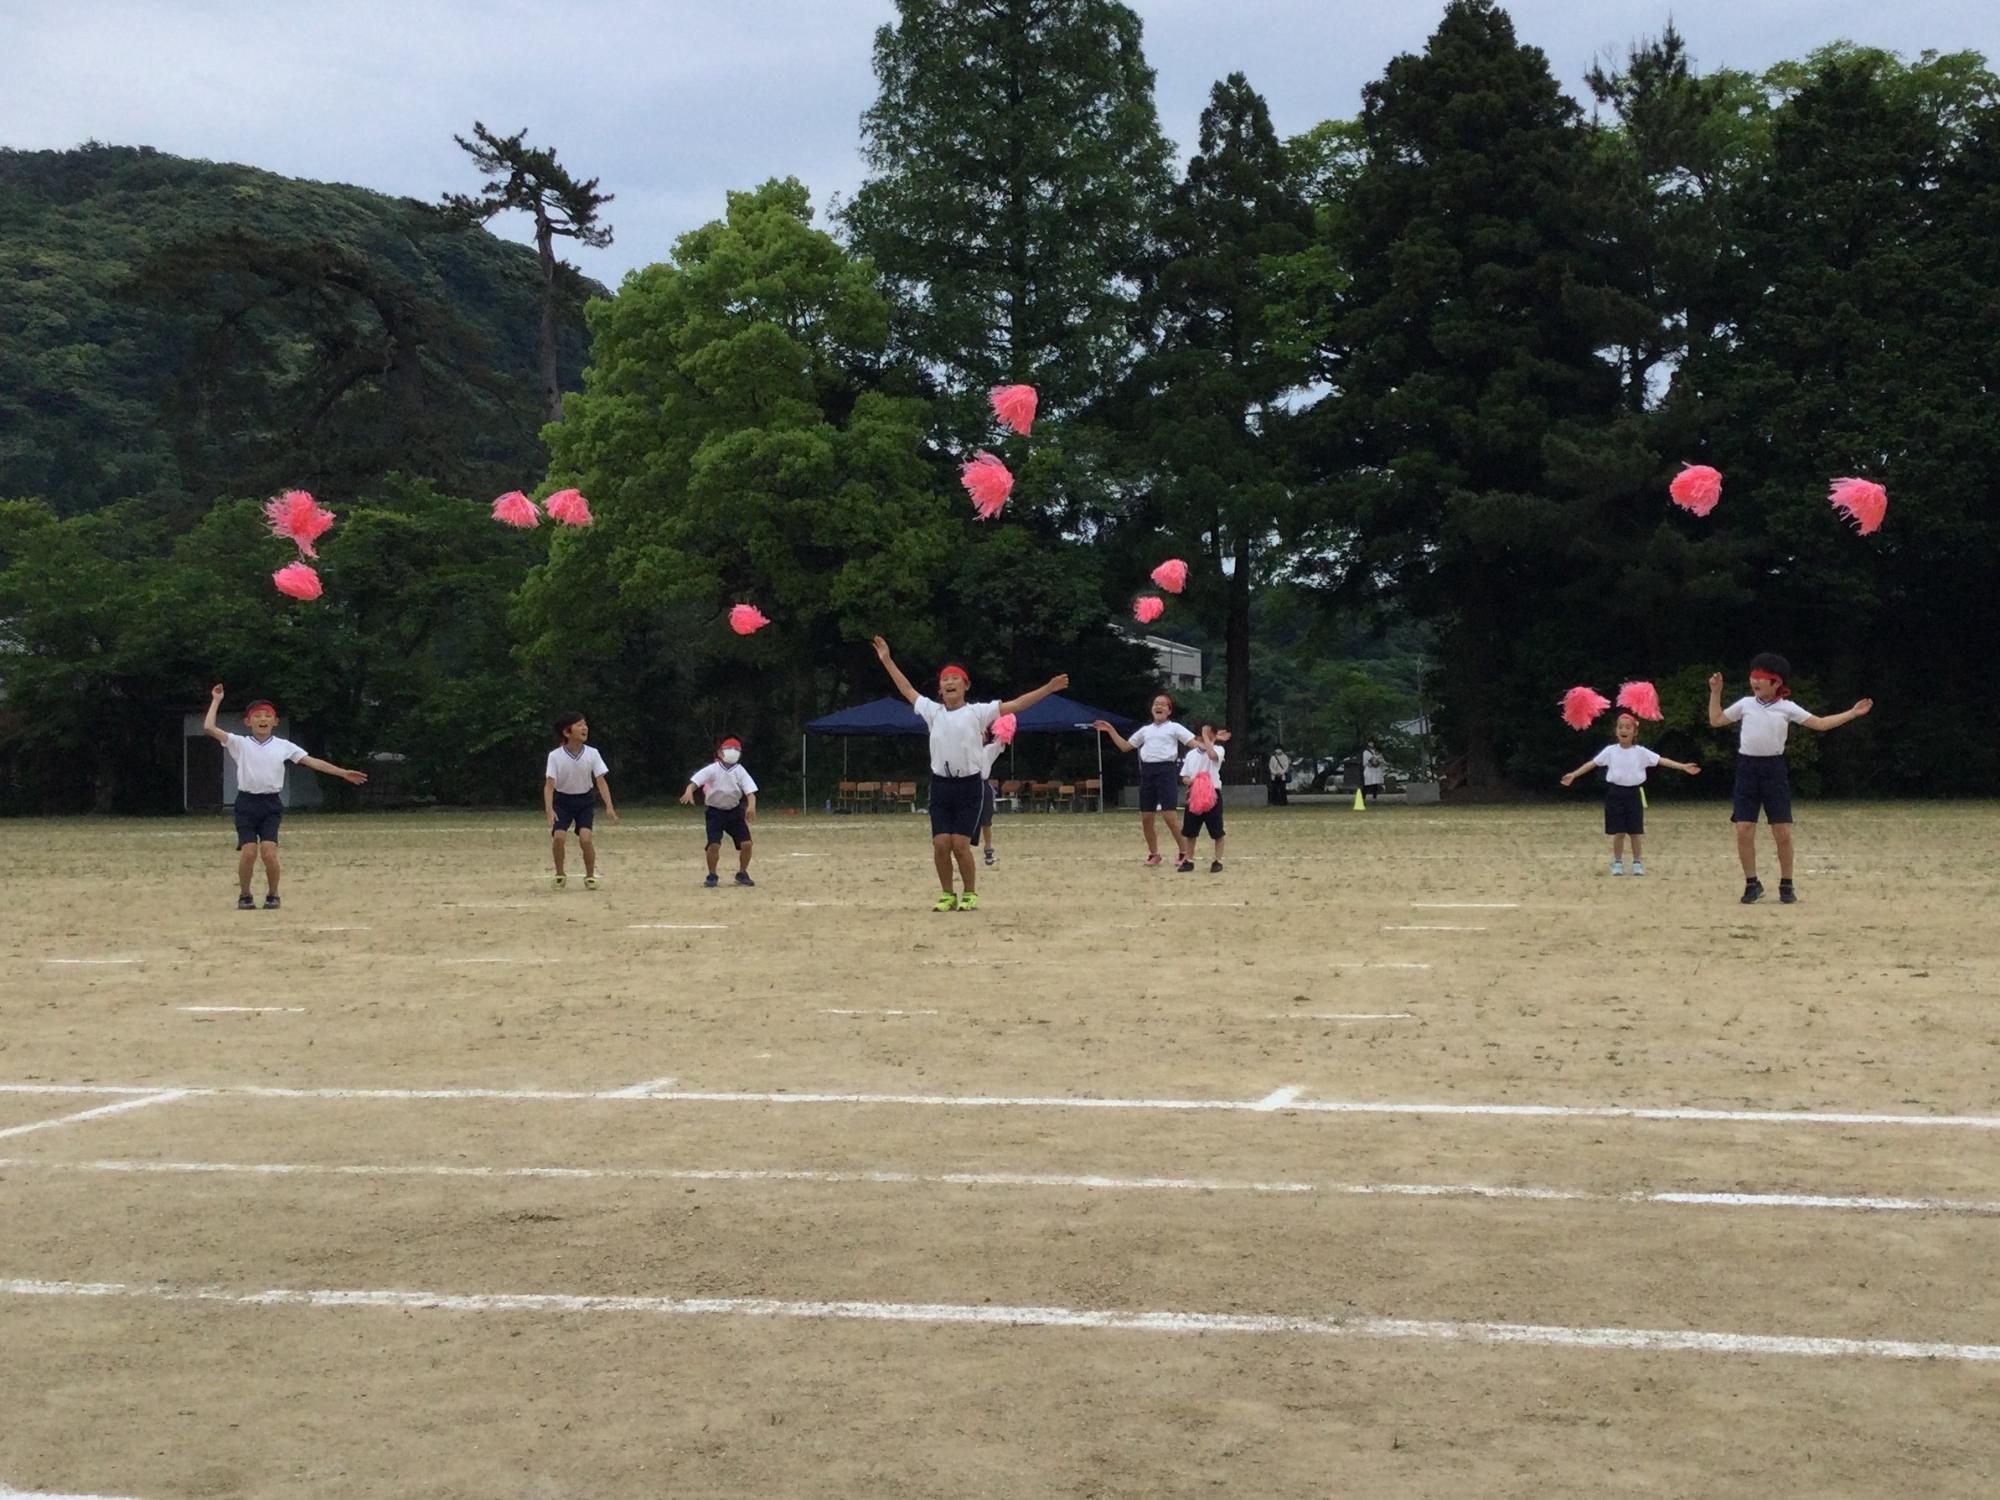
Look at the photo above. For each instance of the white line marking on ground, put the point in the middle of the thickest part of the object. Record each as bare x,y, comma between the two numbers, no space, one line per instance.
343,929
245,1011
1092,1181
92,961
644,1090
1420,928
797,855
991,1315
822,903
11,1494
1684,1114
166,1096
878,1012
977,963
1278,1098
1353,965
496,960
1467,905
1204,903
678,926
489,905
1338,1015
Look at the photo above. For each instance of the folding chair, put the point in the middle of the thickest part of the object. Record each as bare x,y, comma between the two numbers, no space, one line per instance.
1090,795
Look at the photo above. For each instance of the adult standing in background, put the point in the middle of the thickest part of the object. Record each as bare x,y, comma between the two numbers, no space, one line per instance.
1374,772
1281,770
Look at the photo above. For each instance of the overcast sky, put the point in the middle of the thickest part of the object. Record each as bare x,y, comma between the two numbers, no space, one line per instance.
674,102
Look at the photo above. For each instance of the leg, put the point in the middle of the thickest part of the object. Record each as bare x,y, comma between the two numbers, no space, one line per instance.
246,865
589,847
941,857
1637,838
1218,850
961,851
270,853
714,853
1781,835
1173,820
742,856
1746,849
1152,838
1617,846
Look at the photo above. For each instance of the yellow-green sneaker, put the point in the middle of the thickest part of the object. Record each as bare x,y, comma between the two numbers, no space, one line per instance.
947,902
561,881
969,901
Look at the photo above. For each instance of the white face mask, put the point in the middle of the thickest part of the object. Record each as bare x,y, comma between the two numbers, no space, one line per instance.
730,757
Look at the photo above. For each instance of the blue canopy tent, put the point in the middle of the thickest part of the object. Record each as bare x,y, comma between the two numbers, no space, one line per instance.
1055,714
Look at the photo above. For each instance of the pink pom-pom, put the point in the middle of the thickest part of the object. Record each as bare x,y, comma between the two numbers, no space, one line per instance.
1201,793
298,580
1015,405
1581,705
1148,608
568,507
747,619
1696,488
989,483
297,517
1171,575
1641,698
516,509
1003,729
1862,501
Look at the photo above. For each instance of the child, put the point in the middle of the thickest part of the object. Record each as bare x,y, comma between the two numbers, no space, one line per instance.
567,798
1159,745
260,784
959,763
989,796
1205,755
1766,716
1625,764
729,797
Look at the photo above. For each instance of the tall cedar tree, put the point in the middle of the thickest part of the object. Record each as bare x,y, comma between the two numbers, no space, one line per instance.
1016,163
1204,422
1464,359
530,179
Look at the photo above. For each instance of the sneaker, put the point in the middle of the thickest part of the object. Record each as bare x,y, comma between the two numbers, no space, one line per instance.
947,902
1185,867
1753,891
743,878
1152,860
1617,867
710,882
1638,867
246,902
562,882
270,902
1215,867
590,882
989,856
969,901
1785,892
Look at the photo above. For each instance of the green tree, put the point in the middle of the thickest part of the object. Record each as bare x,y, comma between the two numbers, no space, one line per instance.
528,179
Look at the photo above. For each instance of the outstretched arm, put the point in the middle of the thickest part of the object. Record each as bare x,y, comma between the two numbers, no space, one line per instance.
687,794
895,672
1715,719
1687,766
1028,700
604,791
328,768
1103,726
1584,769
220,736
1834,721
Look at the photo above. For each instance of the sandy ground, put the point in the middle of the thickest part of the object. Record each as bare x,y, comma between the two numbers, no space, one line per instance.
1387,1134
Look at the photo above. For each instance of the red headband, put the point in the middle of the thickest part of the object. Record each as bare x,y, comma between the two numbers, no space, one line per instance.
731,743
1783,691
260,703
955,671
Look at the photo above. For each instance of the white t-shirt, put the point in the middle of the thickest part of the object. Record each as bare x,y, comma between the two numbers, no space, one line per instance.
989,756
1765,724
1197,761
573,773
260,764
724,787
1158,743
1625,765
1374,769
958,735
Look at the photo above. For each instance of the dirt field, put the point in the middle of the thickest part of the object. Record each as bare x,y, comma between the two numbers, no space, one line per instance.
1411,1156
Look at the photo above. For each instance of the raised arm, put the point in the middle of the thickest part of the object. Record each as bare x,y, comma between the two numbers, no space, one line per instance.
895,672
1834,721
1103,726
1715,718
220,736
328,768
1028,700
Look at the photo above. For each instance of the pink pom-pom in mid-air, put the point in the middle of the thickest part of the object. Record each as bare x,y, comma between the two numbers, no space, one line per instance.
1015,406
297,517
989,482
1696,488
1581,705
568,507
1862,501
516,509
1148,608
1201,793
1641,698
1004,727
1171,575
298,580
747,619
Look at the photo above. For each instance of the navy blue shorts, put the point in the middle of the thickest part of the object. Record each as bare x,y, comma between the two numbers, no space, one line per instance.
574,807
955,803
1761,783
1193,823
986,804
1623,811
1159,786
257,815
729,820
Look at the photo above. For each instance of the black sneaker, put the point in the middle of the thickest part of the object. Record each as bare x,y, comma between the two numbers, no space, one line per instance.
989,856
709,882
246,902
1753,892
743,878
1185,867
1215,867
270,903
1785,892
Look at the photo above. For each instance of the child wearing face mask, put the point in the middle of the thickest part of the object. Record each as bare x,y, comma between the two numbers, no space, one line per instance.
729,797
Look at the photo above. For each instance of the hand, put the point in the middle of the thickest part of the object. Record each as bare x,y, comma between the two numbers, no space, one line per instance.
353,778
1569,778
611,813
1058,682
1101,726
1221,736
1860,710
881,649
749,814
1715,682
687,797
1692,769
215,693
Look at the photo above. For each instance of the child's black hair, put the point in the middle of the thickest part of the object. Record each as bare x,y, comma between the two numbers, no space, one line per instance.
1770,661
563,721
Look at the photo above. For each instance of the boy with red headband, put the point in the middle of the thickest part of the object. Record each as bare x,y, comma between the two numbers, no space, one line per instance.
729,800
261,758
958,766
1766,715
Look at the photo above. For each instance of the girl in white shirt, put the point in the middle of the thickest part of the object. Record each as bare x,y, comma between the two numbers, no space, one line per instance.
1625,765
1159,744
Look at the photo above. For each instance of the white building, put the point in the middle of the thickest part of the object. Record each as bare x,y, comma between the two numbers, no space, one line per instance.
1179,665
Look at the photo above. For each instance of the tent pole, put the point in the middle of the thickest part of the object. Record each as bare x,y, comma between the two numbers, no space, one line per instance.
1100,771
804,801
